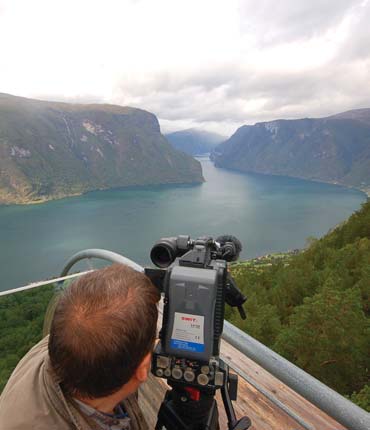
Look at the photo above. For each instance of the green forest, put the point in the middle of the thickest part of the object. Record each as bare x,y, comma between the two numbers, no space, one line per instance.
21,326
312,308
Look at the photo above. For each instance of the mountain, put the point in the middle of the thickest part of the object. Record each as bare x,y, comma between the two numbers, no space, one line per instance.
52,150
335,149
194,142
362,115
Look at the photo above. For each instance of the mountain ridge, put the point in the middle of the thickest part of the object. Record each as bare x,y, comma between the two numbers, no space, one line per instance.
51,150
194,141
333,149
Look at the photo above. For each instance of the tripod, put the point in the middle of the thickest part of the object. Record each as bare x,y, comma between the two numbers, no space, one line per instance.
188,408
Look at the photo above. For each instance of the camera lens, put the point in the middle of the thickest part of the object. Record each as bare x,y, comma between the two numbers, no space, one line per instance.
164,252
161,256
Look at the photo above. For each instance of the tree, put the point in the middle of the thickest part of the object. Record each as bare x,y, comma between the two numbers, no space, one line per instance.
362,398
327,336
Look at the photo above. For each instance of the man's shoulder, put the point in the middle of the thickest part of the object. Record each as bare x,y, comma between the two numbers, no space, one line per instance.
26,398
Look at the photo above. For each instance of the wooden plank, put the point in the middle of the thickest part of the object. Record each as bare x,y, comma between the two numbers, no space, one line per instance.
263,414
309,413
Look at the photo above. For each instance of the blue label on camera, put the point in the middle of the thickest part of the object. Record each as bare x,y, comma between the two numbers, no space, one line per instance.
187,346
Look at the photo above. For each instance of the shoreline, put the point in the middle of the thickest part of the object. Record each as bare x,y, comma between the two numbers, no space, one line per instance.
40,201
66,196
364,190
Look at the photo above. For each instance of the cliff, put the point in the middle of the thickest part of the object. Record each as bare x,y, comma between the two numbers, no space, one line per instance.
335,149
52,150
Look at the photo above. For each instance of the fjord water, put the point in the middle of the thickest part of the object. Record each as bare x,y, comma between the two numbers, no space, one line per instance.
267,213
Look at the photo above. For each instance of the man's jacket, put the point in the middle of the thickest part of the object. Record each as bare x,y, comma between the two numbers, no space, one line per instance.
33,399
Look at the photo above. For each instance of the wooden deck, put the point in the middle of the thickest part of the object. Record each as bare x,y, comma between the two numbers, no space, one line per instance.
261,397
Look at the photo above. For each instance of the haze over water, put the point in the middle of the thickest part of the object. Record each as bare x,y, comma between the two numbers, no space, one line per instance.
267,213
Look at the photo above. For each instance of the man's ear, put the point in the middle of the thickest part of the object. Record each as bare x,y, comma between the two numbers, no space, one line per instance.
142,371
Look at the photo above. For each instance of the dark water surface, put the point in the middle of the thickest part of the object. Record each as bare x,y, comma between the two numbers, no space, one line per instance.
267,213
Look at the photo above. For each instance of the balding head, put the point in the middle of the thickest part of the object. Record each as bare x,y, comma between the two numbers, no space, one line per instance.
104,324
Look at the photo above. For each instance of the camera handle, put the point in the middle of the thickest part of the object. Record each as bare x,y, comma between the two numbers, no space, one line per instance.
234,297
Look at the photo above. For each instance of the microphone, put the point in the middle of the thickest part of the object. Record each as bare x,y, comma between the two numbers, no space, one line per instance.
230,247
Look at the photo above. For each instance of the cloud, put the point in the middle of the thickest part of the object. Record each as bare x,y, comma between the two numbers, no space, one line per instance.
307,59
291,20
215,64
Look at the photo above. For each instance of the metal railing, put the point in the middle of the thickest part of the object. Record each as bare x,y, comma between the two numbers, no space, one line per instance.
338,407
319,394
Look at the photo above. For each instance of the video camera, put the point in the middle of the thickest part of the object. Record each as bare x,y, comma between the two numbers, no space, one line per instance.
194,277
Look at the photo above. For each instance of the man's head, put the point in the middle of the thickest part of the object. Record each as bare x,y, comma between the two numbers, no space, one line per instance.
103,328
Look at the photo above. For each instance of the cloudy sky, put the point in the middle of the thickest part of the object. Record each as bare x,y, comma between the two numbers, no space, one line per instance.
214,64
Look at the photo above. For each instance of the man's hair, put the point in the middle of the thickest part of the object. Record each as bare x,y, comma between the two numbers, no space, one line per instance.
103,326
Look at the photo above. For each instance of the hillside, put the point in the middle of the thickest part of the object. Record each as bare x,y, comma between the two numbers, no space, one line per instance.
335,149
314,307
194,142
51,150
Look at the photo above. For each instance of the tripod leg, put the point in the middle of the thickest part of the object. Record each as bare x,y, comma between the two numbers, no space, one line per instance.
212,421
158,426
171,417
168,418
233,424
